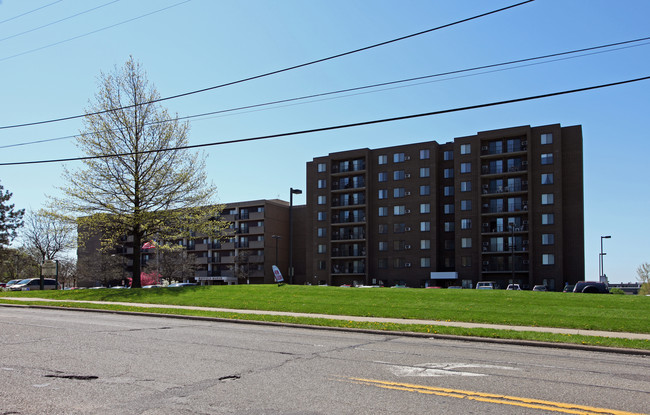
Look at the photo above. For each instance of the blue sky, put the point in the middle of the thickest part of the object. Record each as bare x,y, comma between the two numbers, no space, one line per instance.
52,71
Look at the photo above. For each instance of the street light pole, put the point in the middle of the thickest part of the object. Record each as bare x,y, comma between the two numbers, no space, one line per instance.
276,237
512,249
602,277
292,191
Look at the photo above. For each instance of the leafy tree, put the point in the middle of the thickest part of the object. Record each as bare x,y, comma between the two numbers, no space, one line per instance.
139,182
96,268
17,264
46,236
10,219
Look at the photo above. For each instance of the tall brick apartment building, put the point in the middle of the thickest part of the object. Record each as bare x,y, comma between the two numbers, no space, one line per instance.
503,205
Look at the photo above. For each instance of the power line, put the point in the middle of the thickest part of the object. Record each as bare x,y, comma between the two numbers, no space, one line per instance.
302,65
80,36
336,127
31,11
323,94
58,21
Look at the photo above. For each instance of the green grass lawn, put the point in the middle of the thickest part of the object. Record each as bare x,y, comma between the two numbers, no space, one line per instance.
524,308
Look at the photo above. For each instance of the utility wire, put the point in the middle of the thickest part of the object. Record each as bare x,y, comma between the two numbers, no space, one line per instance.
57,21
31,11
78,37
323,94
335,127
264,74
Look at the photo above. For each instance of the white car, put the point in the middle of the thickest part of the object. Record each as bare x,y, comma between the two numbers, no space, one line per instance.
486,285
515,287
35,284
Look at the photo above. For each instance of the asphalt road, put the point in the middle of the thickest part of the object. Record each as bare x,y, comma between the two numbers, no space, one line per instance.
72,362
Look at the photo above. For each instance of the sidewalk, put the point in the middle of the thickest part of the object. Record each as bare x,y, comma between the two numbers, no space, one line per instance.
622,335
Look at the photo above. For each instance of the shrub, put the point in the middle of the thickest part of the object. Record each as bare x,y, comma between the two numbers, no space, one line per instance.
616,290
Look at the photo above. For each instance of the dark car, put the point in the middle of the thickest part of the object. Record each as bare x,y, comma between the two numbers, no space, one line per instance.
592,287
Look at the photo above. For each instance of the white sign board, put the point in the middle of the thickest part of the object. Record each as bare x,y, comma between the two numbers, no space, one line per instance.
49,268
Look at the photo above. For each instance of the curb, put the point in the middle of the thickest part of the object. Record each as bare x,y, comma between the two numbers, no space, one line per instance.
515,342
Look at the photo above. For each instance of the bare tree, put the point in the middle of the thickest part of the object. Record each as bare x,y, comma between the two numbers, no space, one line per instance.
643,275
139,179
46,236
173,263
100,269
241,266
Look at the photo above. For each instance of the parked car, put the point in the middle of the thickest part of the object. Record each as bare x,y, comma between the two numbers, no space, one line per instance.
568,288
153,286
182,284
11,282
35,284
540,288
486,285
592,287
514,287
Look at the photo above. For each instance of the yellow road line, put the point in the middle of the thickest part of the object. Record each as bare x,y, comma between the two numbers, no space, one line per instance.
493,398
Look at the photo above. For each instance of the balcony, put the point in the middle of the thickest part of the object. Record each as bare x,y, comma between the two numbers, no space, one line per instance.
505,189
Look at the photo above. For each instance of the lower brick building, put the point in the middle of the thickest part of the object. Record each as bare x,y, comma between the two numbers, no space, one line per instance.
503,205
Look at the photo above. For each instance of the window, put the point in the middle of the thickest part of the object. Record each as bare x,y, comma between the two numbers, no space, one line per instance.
448,190
383,246
465,167
547,199
466,224
548,219
448,155
548,259
425,244
322,232
425,208
547,178
399,192
466,186
548,239
382,159
448,209
466,242
425,172
398,246
322,200
383,228
547,138
399,263
322,265
425,226
450,226
465,205
465,148
466,261
425,262
547,158
383,211
398,157
322,249
322,216
382,263
424,154
448,173
322,183
322,167
383,176
399,210
399,228
383,194
449,244
425,190
398,175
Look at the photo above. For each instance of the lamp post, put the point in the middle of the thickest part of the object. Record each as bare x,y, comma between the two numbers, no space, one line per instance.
292,192
512,249
601,270
276,237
